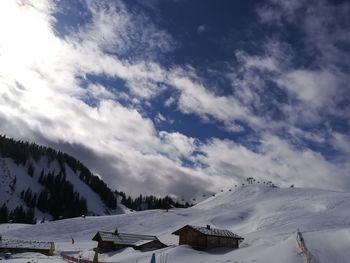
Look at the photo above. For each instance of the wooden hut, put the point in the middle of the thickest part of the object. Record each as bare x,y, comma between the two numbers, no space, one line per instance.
207,237
20,246
112,241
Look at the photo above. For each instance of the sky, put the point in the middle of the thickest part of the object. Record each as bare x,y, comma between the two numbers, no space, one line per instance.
182,97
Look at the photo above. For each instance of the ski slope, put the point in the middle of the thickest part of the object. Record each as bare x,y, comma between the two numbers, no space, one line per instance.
268,219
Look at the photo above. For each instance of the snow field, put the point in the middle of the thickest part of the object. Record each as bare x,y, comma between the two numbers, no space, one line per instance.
267,218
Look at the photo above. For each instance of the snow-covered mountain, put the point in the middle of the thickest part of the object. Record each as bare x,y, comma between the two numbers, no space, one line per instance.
268,218
38,177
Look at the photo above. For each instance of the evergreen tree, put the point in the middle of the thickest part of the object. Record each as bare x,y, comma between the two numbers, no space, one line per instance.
59,198
30,170
19,215
151,202
4,214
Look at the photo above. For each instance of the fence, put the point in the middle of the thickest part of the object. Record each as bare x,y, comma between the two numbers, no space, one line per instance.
163,258
73,259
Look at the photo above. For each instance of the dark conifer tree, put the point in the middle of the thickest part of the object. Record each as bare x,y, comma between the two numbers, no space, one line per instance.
4,214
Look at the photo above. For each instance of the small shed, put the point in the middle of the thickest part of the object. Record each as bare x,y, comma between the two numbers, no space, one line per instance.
20,246
207,237
112,241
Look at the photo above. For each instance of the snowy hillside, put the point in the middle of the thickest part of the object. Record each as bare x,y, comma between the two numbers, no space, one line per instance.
38,177
9,172
268,218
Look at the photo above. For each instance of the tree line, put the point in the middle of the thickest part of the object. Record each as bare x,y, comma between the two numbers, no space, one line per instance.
150,202
58,198
17,215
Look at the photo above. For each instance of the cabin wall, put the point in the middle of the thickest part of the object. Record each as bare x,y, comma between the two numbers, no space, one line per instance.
156,244
104,246
221,242
213,241
192,238
195,239
229,242
189,236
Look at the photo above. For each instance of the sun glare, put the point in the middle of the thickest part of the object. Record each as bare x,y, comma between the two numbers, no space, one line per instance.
26,38
30,53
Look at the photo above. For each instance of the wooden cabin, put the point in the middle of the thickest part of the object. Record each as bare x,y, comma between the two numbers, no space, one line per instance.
112,241
20,246
207,237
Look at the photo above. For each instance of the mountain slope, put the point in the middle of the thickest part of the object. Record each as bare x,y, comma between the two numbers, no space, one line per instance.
266,217
43,171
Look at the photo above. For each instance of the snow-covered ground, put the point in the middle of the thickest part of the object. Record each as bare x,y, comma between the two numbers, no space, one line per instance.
268,219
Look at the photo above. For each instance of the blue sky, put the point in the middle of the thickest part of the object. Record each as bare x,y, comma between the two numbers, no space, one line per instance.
182,97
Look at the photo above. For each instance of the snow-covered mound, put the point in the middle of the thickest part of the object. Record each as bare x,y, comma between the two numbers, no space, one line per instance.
268,218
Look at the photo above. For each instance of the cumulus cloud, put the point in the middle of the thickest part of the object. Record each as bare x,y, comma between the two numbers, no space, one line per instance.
46,96
311,80
43,99
41,96
317,87
196,98
276,160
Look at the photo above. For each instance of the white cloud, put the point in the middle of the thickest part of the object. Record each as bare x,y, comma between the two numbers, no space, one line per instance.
116,29
341,142
315,87
99,92
201,29
314,77
268,63
160,118
170,101
177,144
276,160
42,96
195,98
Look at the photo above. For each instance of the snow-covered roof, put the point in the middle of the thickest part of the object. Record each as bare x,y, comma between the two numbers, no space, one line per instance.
124,239
30,244
212,231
